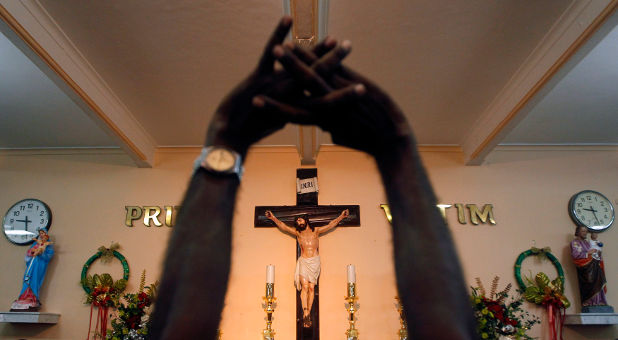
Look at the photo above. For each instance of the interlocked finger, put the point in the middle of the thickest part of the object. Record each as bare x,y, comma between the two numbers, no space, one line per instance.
286,112
267,60
346,94
331,61
301,71
310,56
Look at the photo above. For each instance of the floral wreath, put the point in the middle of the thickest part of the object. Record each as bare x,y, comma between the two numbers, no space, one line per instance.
101,290
106,254
536,252
545,292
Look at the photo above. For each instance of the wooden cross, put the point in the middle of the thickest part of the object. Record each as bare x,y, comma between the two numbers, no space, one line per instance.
319,215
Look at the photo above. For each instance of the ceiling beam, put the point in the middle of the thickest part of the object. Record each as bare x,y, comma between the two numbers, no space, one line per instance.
35,33
531,81
308,144
310,26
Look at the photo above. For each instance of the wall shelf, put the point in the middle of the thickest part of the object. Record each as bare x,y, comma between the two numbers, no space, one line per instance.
29,317
591,319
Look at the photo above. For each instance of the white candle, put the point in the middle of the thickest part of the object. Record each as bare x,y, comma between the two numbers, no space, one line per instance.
351,274
270,273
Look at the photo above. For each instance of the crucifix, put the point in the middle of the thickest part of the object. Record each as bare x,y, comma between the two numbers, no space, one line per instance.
291,219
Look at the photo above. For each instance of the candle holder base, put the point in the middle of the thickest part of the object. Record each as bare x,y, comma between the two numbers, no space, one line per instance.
352,307
352,334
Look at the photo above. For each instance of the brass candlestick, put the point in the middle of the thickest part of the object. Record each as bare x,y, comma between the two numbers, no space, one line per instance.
403,331
269,306
352,307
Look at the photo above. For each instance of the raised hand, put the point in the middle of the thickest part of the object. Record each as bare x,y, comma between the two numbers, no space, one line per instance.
237,124
353,109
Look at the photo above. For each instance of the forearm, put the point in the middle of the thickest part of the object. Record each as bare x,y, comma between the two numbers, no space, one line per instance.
197,262
429,277
332,224
280,225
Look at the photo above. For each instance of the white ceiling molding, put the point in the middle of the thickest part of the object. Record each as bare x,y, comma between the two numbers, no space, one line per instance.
37,35
578,23
587,148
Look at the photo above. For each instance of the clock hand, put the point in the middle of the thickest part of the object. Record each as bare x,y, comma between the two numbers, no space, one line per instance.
26,221
594,213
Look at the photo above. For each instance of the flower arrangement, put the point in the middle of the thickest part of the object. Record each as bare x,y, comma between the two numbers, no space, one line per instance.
104,292
498,316
542,291
549,294
132,321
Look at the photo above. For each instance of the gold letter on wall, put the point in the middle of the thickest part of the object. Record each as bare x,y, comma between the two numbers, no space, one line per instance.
387,211
461,215
133,213
148,216
170,215
443,208
475,214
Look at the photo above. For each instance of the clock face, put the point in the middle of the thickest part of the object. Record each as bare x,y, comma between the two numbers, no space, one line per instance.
220,160
23,220
591,209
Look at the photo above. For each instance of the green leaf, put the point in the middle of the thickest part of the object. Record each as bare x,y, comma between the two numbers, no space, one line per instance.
88,282
120,285
542,280
107,280
531,293
557,283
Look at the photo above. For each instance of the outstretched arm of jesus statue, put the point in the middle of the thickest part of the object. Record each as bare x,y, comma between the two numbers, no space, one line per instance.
333,223
358,114
282,226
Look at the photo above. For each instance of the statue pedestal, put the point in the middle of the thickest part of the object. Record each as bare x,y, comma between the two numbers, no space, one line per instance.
29,317
591,319
597,309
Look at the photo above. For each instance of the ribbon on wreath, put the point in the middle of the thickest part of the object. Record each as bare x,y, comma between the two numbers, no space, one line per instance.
103,297
548,293
540,251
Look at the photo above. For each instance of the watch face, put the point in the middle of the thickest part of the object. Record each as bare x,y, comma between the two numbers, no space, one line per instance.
23,220
591,209
220,160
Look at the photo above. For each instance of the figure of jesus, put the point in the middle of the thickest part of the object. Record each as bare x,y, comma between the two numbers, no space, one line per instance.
308,264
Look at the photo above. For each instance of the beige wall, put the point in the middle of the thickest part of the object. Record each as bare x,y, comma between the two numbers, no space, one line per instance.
87,194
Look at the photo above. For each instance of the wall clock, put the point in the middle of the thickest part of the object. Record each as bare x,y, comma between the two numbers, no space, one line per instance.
591,209
23,220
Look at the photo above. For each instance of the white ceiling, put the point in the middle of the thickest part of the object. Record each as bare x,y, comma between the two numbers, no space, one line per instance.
35,113
582,108
166,65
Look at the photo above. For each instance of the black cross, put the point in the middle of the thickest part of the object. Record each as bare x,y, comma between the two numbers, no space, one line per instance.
26,221
319,215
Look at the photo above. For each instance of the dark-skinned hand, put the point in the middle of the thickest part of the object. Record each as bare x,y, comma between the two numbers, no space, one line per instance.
237,124
356,112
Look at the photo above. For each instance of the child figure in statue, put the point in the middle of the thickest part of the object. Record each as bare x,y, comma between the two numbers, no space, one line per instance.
37,259
596,245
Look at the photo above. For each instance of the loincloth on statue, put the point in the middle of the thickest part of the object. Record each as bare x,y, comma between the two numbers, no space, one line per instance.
309,267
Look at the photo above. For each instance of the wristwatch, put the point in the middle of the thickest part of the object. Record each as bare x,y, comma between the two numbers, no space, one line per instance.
220,160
